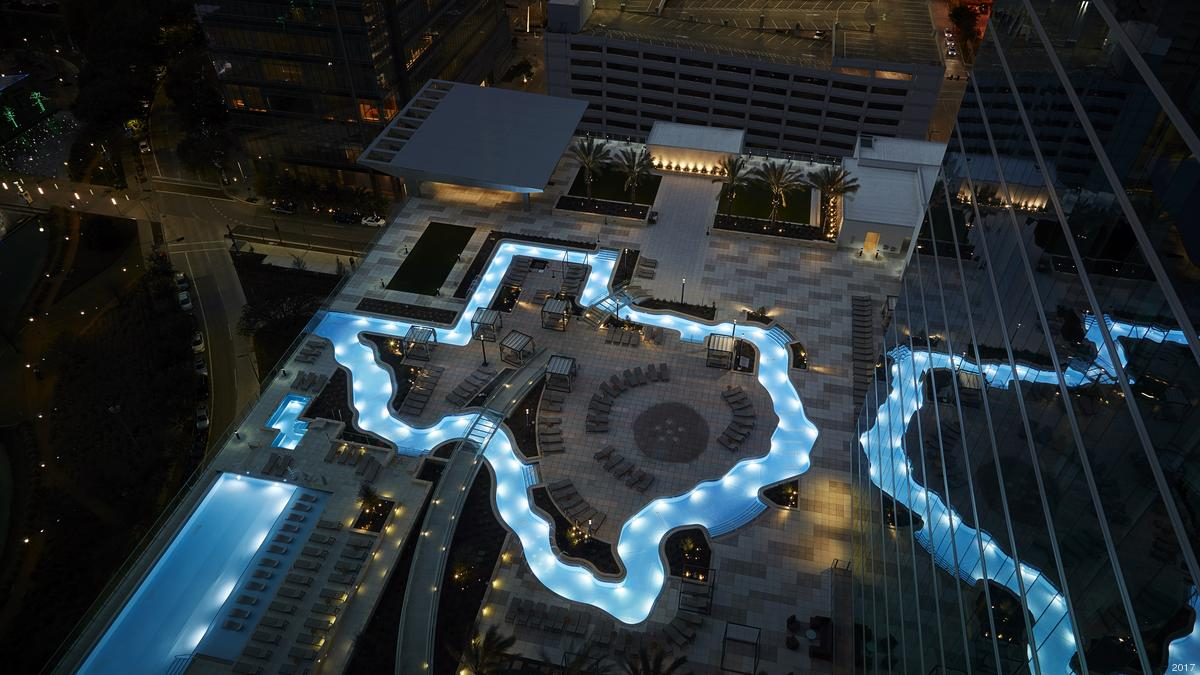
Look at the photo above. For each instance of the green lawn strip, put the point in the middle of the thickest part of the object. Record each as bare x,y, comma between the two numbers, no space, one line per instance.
610,185
754,201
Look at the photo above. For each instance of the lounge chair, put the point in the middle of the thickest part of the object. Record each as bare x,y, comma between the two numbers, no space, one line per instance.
639,376
597,427
630,381
612,461
652,372
664,372
730,444
644,483
623,468
603,452
616,383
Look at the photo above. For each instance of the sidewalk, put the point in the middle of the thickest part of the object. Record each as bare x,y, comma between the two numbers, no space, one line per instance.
313,261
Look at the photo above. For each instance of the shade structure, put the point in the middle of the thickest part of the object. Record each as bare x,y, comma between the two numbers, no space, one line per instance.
486,325
721,349
560,372
485,137
419,343
516,347
556,314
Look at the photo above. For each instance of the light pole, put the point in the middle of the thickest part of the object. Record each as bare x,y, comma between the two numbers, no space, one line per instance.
682,289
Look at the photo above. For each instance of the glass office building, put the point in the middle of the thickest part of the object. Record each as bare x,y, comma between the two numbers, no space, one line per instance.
1027,495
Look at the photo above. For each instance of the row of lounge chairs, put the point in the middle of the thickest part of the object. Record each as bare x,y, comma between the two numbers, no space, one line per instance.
622,337
311,568
311,351
423,383
574,276
518,269
364,464
306,381
277,465
574,506
466,390
680,632
623,469
550,426
744,418
601,404
864,346
646,267
556,619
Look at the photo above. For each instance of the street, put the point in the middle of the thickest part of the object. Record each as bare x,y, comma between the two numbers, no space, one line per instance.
197,219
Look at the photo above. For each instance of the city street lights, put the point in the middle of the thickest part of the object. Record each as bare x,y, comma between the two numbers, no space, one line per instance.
682,288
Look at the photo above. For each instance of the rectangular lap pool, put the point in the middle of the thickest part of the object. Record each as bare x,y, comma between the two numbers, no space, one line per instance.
431,259
179,598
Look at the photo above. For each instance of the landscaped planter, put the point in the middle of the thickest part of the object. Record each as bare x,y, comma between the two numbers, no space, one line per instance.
603,207
767,228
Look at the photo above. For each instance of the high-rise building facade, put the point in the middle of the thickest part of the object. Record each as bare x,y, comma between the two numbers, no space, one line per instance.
311,82
799,77
1027,494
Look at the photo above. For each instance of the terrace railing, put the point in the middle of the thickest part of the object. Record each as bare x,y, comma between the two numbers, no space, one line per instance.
73,650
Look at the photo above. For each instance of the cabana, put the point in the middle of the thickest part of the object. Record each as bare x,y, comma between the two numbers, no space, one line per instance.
556,314
486,325
419,343
560,373
721,350
516,347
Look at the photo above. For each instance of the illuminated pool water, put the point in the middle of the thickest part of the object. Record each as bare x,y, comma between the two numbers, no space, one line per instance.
178,600
287,422
723,504
968,553
720,505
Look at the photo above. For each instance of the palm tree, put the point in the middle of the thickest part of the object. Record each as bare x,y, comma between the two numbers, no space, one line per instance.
833,182
735,174
486,653
635,164
589,660
652,661
592,157
779,178
367,495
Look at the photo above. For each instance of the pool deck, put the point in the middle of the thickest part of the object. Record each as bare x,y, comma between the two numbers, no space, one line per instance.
767,570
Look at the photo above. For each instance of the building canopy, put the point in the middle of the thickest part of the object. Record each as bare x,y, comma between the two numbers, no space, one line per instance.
476,136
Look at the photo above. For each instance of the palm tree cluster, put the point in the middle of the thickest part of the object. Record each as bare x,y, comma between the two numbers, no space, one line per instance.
489,653
486,654
779,178
834,182
592,156
595,157
635,165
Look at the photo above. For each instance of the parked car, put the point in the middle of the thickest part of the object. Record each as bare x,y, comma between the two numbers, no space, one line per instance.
947,32
201,417
952,52
344,217
185,301
373,221
144,146
282,206
200,364
197,342
181,281
818,35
